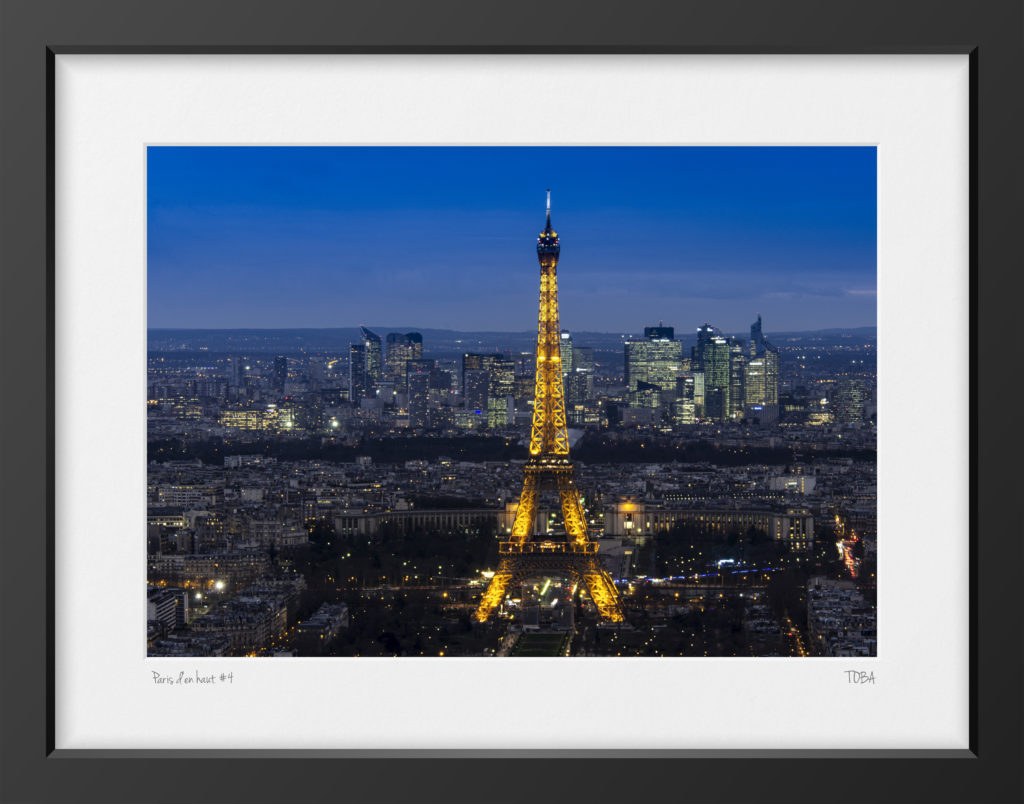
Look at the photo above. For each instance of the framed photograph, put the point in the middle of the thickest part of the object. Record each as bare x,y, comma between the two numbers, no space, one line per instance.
470,395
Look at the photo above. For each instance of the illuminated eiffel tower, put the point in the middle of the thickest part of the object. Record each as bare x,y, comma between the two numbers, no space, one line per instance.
573,555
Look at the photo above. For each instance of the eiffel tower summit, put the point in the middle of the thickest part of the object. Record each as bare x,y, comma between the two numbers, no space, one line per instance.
572,554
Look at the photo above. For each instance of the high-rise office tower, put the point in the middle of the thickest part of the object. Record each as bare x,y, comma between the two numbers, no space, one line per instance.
655,360
374,365
500,393
500,371
580,387
717,377
475,384
316,369
635,355
401,348
754,390
704,336
523,389
757,341
761,347
665,357
583,359
357,384
417,380
440,386
698,392
848,401
472,361
737,364
771,375
280,373
684,409
716,403
565,353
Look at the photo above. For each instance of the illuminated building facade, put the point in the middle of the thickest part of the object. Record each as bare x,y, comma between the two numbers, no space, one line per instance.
792,527
717,378
771,376
704,336
374,363
401,348
761,349
565,353
476,383
357,385
754,382
848,401
268,419
523,385
417,381
580,387
654,361
500,370
737,366
488,382
500,391
365,370
684,409
525,554
500,411
635,362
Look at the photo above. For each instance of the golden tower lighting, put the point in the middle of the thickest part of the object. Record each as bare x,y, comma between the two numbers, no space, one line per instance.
527,554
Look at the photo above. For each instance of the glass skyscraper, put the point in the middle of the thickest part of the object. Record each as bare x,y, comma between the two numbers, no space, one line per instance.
704,336
374,363
717,377
565,354
656,360
357,386
417,380
401,348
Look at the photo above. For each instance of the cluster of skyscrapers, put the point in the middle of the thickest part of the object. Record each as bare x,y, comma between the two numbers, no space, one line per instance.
401,370
723,378
481,392
657,380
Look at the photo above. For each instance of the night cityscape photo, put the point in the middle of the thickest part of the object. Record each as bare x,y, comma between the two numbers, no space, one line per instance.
511,401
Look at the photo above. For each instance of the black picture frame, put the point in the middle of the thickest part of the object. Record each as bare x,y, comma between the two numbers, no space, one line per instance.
32,32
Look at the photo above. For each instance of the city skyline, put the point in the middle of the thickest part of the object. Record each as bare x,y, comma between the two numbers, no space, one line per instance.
287,238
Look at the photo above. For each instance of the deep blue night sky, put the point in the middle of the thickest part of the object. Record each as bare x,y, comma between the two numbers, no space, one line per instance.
444,237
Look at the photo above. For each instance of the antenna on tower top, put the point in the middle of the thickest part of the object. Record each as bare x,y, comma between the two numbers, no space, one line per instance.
549,208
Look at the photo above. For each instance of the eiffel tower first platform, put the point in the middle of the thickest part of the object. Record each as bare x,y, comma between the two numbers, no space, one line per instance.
526,554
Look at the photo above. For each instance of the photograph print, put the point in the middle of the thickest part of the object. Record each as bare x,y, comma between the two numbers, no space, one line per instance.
511,401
